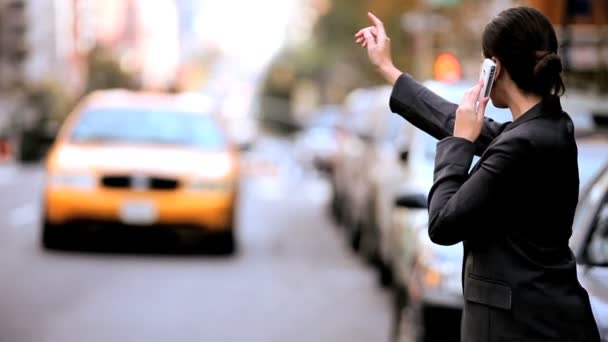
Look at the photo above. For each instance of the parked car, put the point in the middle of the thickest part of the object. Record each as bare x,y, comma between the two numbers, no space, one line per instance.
349,151
432,307
592,155
427,277
415,179
372,167
386,146
589,243
131,159
399,238
316,145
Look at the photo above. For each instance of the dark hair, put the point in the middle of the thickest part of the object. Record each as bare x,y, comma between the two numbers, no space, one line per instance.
524,41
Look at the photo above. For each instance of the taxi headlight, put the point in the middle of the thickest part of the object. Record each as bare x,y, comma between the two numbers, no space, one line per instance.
82,181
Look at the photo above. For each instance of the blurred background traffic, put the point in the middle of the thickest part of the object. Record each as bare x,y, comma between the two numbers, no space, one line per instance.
229,170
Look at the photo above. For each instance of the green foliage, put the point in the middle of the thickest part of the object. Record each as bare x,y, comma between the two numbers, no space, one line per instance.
335,35
331,59
51,101
277,93
104,71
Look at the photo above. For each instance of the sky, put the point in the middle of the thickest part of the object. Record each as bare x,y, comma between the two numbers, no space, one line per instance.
252,31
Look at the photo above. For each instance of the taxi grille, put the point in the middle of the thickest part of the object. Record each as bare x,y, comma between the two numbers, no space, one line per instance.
139,182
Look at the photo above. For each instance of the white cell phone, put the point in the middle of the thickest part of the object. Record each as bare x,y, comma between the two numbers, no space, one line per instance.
488,73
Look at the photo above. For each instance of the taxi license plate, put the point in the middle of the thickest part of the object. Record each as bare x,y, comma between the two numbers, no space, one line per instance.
140,213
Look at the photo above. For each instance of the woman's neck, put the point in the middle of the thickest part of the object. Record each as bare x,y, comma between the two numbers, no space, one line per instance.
520,103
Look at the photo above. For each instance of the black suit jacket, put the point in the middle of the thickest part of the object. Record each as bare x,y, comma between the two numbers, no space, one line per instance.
514,213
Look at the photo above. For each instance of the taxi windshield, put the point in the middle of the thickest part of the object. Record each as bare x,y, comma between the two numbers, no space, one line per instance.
147,126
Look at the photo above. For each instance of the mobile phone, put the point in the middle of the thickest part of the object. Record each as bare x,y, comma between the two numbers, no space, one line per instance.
488,73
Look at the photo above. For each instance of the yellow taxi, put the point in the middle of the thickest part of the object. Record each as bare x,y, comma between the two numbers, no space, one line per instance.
141,159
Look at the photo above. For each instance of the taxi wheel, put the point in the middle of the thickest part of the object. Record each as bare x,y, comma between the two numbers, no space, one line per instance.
385,274
227,243
220,243
54,236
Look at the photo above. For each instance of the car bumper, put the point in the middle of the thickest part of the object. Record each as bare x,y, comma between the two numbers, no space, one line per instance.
210,210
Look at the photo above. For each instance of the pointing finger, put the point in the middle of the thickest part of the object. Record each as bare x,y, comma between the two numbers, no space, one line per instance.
377,22
378,25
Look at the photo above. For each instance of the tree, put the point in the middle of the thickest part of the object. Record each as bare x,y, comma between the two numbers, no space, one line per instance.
335,32
331,60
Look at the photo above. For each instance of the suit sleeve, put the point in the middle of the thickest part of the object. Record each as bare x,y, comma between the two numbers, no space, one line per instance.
457,201
433,114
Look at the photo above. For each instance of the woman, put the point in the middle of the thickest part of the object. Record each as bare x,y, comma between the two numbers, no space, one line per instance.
514,210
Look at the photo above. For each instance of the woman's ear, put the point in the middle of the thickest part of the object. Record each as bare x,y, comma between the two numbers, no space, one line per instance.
498,67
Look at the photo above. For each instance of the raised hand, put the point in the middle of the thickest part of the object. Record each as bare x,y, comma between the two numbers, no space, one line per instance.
378,46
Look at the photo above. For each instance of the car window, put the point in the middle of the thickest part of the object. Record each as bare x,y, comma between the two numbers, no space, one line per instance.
422,148
396,127
498,114
592,157
147,126
597,251
430,148
455,92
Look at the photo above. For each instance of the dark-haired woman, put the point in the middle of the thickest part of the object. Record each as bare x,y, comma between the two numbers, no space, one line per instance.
514,209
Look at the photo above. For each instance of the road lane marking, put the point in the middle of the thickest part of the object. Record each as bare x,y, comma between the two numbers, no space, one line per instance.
24,215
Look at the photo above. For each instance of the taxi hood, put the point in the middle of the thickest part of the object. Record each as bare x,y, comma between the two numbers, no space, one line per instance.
152,159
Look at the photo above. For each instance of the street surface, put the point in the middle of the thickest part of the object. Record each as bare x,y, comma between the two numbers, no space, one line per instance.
294,278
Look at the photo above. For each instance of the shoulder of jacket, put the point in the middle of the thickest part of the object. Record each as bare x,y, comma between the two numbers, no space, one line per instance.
514,139
515,145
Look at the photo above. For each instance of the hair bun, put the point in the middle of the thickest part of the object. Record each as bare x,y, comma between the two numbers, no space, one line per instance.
548,65
547,74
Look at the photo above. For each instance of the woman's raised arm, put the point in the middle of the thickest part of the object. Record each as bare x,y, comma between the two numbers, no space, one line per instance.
412,100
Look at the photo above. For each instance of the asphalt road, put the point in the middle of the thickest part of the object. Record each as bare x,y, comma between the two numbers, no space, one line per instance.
293,280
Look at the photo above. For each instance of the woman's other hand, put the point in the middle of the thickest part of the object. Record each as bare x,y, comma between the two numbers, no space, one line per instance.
469,116
378,46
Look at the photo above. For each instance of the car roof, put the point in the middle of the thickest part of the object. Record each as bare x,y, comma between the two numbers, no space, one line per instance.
454,92
122,98
594,180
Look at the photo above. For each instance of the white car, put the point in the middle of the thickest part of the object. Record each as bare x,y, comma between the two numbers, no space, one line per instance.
416,179
369,166
589,243
316,145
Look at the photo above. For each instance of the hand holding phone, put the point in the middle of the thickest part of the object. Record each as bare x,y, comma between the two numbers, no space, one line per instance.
487,74
470,113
